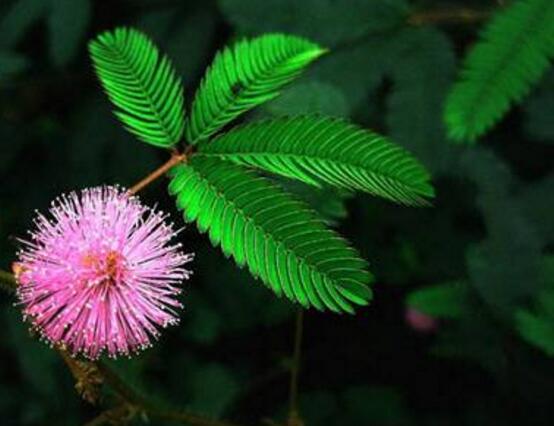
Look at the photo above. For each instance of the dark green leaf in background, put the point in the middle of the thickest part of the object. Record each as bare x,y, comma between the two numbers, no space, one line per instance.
538,110
501,281
421,77
537,325
440,301
67,25
67,22
514,52
310,97
10,64
177,30
18,18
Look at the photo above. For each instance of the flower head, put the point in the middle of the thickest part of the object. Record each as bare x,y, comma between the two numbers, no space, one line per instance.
101,274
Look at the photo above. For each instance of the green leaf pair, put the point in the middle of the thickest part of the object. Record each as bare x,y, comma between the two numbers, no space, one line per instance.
279,238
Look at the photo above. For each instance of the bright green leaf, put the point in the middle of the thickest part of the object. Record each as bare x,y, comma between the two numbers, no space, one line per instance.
246,75
282,242
142,84
319,150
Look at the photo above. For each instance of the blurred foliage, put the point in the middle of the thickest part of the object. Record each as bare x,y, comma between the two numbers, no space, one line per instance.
491,230
539,123
439,301
501,68
537,326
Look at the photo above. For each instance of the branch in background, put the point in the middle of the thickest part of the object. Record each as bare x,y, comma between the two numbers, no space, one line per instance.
119,414
137,403
430,17
87,377
463,15
294,418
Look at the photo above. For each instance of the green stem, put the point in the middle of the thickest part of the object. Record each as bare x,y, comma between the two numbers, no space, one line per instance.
295,369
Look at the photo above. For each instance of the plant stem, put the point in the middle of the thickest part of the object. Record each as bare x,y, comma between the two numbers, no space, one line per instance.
294,417
420,18
135,399
463,15
116,413
175,159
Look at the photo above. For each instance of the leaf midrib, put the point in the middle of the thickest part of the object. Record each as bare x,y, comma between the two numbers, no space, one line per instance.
314,157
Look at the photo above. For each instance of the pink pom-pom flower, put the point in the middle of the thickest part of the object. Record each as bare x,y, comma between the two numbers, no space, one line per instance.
101,274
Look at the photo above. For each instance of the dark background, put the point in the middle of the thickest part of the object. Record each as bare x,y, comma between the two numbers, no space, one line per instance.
391,64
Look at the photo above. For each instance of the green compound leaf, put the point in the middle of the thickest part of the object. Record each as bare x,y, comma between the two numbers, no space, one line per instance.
142,84
512,55
320,150
282,241
246,75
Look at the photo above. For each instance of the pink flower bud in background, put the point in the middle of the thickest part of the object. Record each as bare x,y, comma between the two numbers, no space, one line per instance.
419,321
101,274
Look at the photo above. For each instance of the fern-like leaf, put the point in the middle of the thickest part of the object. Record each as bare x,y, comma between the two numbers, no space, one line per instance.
280,239
512,55
142,84
248,74
319,150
